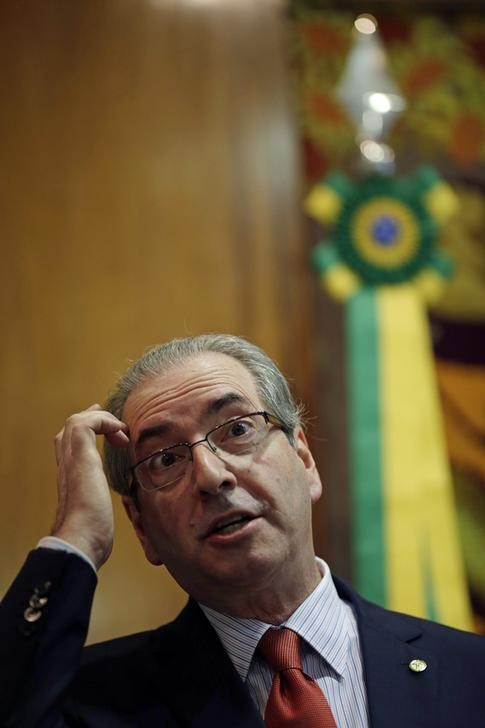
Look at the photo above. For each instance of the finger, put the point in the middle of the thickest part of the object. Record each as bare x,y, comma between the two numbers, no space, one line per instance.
118,438
97,421
78,436
58,446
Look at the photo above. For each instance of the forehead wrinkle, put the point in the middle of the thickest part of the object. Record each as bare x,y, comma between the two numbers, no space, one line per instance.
155,396
215,405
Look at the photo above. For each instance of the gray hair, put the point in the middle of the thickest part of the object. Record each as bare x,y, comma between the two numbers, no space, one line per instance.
271,386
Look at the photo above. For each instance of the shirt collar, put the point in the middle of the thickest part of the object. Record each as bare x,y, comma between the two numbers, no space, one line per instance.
322,620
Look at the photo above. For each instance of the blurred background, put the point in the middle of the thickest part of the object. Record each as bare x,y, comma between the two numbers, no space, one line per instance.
156,155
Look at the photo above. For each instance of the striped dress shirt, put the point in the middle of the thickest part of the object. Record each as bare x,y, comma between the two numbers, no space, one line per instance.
330,651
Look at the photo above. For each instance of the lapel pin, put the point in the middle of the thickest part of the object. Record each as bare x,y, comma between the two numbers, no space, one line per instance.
418,665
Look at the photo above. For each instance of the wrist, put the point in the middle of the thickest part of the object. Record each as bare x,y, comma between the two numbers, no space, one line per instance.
93,551
58,544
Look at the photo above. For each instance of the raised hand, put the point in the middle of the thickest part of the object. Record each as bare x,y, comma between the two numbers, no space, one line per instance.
84,515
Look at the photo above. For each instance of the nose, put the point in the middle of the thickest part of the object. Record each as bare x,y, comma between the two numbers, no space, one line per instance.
210,473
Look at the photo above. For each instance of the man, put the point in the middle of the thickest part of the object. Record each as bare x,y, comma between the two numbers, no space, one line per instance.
204,443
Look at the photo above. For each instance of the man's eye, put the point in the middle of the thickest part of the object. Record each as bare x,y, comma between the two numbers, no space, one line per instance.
240,428
163,460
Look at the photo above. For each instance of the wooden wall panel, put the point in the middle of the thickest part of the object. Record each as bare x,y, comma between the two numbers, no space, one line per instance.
149,188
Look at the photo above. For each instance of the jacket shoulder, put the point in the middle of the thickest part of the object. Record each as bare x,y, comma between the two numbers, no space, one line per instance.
409,628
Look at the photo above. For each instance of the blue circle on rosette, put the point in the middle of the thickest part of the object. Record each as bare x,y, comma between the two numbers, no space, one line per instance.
404,192
385,230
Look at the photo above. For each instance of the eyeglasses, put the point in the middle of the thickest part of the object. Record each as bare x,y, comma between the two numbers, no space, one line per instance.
238,436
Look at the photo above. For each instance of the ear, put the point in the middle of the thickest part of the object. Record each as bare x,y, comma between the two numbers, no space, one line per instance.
304,453
133,511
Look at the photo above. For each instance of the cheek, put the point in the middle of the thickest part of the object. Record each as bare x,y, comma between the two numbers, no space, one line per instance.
161,517
259,476
273,478
172,514
292,484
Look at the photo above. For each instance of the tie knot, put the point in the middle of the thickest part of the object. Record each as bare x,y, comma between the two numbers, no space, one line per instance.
280,648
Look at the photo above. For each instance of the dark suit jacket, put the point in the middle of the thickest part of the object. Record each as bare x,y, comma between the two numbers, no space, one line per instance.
180,675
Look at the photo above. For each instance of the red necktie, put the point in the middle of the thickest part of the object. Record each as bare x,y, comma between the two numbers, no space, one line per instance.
295,700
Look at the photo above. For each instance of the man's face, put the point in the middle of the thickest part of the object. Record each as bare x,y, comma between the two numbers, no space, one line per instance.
266,495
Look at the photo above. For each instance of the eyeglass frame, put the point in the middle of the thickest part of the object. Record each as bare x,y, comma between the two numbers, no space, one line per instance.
268,418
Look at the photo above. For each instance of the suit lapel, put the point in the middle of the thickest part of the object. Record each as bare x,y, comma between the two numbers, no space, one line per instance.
393,689
213,693
396,694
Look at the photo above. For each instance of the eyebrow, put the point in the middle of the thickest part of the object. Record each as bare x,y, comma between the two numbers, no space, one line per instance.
216,405
212,408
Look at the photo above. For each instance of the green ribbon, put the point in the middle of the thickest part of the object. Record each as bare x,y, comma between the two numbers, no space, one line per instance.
365,445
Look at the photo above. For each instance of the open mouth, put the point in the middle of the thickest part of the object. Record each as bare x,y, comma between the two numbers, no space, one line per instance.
230,524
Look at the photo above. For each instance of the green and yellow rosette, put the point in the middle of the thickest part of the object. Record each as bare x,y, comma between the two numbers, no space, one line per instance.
383,262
